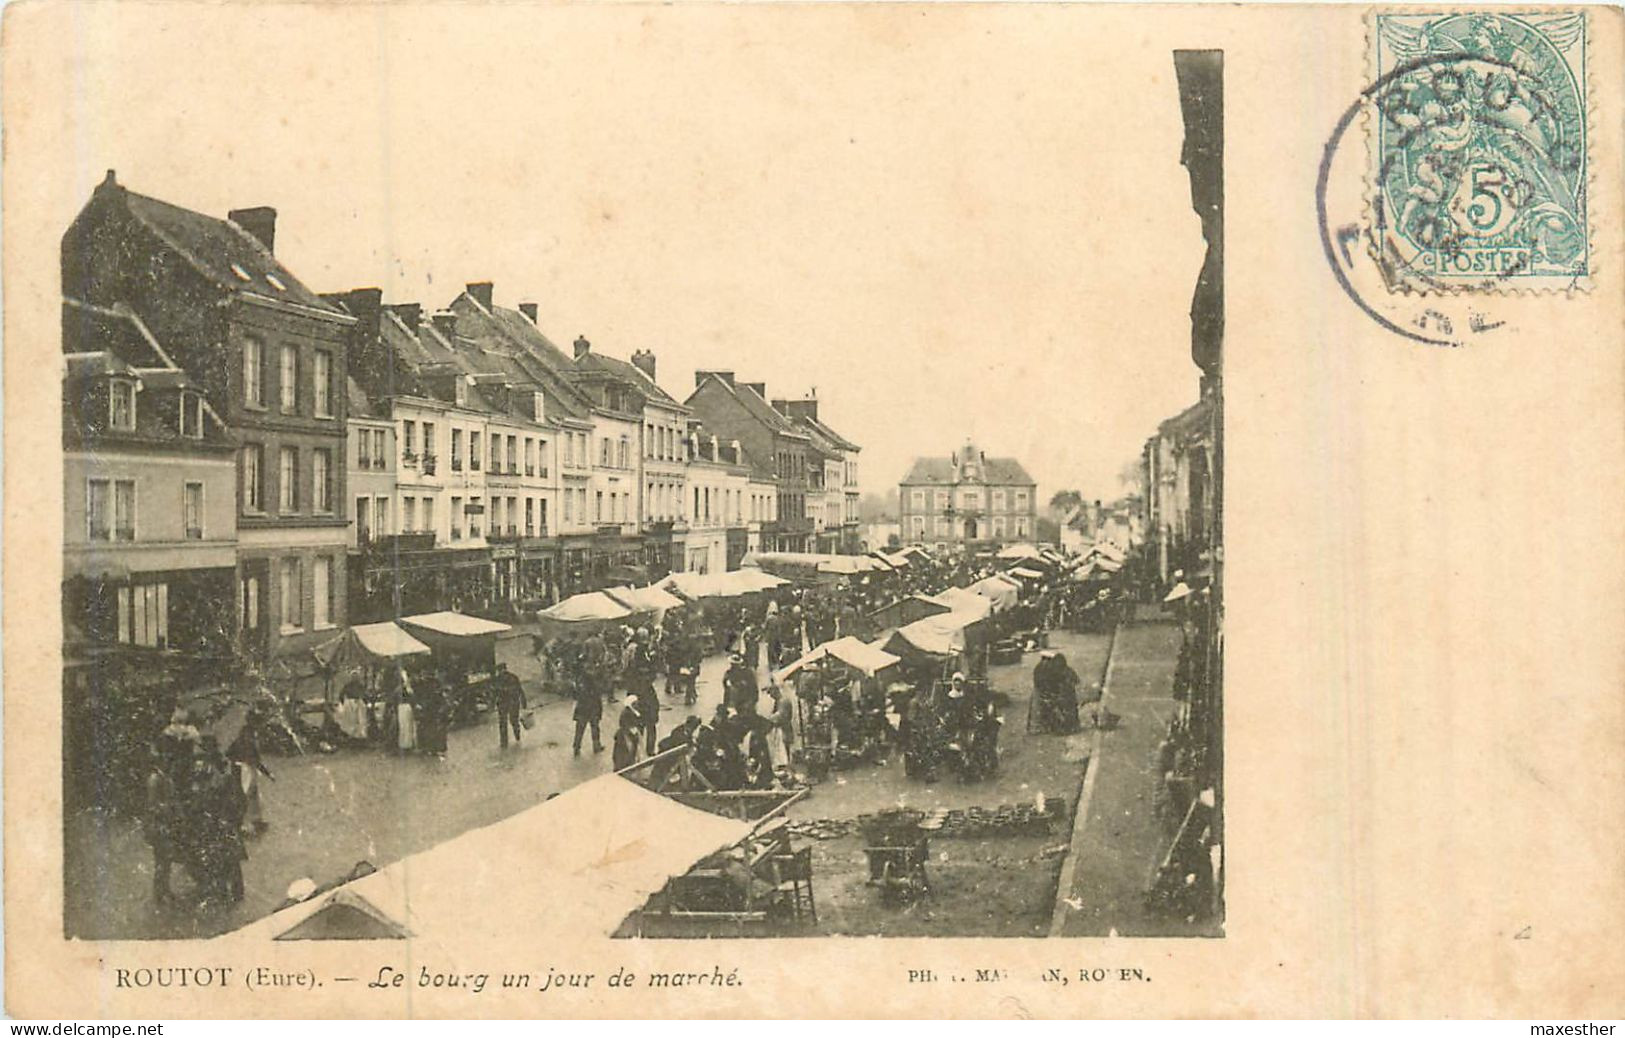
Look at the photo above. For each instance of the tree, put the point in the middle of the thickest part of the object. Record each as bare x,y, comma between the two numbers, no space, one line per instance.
1063,502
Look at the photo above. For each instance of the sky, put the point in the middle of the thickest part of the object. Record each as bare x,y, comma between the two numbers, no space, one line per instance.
949,224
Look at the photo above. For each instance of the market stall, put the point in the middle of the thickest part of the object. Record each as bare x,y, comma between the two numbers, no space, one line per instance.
464,650
594,855
1001,591
647,601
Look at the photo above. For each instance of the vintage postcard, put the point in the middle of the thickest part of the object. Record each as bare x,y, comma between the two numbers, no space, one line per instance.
769,510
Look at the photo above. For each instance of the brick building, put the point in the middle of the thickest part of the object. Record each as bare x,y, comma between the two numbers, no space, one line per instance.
968,500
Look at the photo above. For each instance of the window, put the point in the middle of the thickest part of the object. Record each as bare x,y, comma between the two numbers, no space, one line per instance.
97,515
998,526
942,499
1021,526
124,509
998,500
513,455
379,455
321,596
253,373
121,404
530,456
513,514
380,521
409,514
322,488
252,455
292,591
428,441
942,527
456,450
363,519
496,454
623,457
474,451
428,515
323,378
192,416
530,517
251,603
290,379
598,506
603,452
456,518
919,525
472,516
543,516
288,479
143,615
192,510
1021,500
569,506
409,439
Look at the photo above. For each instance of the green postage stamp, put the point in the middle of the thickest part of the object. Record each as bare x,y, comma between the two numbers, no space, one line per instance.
1478,150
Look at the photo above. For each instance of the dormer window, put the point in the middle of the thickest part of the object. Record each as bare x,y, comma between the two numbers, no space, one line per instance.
460,393
121,405
242,275
191,415
538,406
275,282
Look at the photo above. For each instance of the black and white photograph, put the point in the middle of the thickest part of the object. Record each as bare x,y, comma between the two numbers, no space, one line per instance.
489,517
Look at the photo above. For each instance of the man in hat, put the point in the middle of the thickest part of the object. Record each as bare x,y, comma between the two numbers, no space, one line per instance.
739,686
510,701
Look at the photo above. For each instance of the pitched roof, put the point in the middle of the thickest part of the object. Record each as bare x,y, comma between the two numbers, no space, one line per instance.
626,371
510,334
834,437
87,328
223,252
1006,471
754,405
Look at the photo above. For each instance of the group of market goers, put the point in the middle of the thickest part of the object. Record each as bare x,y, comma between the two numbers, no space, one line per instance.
416,707
201,802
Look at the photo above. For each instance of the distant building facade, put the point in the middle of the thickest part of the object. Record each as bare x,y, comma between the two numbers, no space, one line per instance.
967,500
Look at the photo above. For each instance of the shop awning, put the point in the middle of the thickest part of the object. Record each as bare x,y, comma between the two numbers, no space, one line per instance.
368,643
850,651
592,855
459,625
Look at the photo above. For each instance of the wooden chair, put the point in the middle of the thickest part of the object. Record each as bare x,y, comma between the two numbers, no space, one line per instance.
793,879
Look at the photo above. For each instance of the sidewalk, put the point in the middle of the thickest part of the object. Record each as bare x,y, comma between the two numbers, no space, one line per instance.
1118,842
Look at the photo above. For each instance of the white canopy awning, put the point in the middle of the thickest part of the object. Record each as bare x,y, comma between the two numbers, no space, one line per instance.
1020,551
592,855
999,590
588,607
964,600
367,643
460,624
644,599
1178,591
1030,574
851,651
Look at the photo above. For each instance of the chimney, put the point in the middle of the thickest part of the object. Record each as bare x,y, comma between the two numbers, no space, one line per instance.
480,292
804,409
583,347
529,310
259,221
445,322
109,183
782,406
701,376
716,455
644,361
760,388
409,314
733,445
366,305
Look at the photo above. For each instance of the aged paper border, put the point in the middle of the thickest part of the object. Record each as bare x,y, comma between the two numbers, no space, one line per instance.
1425,585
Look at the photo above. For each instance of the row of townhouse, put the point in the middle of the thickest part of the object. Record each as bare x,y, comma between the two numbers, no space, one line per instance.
337,459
